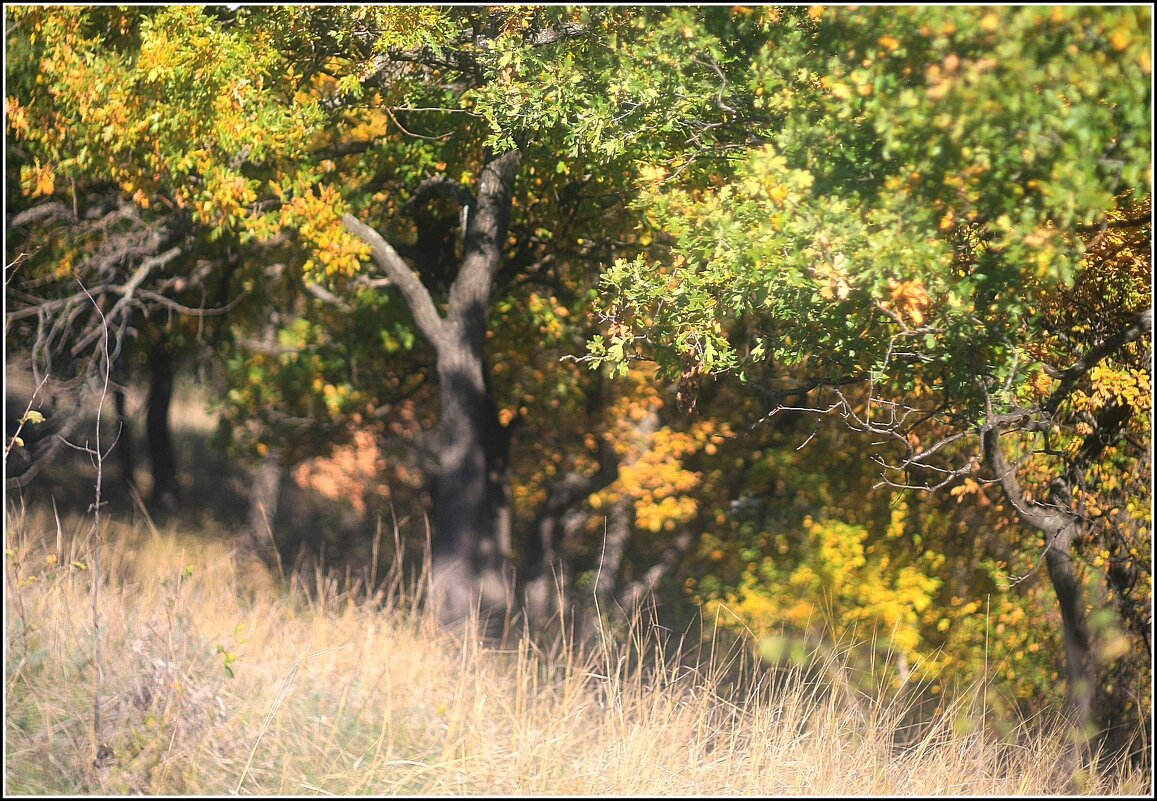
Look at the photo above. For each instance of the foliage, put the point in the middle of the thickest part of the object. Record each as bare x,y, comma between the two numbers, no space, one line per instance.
921,193
915,194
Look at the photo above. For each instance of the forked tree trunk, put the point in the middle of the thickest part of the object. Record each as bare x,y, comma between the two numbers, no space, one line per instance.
470,550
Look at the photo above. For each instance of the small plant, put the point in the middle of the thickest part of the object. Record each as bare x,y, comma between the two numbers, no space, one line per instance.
227,660
30,416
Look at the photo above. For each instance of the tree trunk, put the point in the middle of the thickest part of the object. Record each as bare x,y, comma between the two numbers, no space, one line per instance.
470,548
258,539
157,430
641,590
1060,528
1082,674
125,446
619,524
540,565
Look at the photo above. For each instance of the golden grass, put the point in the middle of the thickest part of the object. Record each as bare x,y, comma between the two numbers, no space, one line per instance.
330,694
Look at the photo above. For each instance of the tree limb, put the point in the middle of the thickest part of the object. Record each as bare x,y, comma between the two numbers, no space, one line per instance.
485,237
1142,324
414,292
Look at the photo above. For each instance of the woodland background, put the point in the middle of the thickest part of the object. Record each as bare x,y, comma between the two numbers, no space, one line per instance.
825,332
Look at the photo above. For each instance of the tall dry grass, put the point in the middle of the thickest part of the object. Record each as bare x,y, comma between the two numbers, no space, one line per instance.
218,679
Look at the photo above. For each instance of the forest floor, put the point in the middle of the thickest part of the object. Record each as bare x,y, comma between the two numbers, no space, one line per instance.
217,678
213,676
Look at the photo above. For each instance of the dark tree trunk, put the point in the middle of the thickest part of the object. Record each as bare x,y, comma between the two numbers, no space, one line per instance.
470,548
126,446
471,541
1082,672
157,429
541,568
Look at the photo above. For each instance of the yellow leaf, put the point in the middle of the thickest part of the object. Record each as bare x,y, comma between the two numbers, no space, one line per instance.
45,182
842,91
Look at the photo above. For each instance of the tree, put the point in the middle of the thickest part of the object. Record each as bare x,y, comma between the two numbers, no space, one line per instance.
465,153
111,172
922,185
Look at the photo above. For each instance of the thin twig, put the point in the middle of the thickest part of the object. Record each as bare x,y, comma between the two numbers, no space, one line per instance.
23,420
101,752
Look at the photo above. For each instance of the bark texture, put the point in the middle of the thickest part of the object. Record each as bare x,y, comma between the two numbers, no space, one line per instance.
158,433
470,568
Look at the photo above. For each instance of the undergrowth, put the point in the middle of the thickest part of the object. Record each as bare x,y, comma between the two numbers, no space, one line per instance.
219,678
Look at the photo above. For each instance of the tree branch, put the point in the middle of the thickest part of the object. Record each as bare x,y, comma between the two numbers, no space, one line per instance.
50,211
1046,519
547,36
485,236
414,292
1142,324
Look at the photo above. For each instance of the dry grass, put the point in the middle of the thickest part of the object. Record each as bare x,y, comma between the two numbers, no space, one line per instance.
332,695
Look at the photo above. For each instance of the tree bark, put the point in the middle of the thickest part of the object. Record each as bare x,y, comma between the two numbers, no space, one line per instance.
158,433
540,565
125,446
640,590
619,523
258,540
470,550
471,543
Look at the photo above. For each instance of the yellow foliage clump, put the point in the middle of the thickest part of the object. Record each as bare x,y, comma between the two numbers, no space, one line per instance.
317,218
840,582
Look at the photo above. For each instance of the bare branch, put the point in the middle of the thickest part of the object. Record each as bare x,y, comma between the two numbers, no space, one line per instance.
413,291
325,296
44,212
